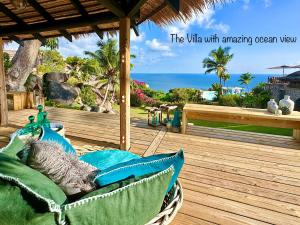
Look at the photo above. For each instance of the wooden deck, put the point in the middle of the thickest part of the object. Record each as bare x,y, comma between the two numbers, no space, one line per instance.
229,177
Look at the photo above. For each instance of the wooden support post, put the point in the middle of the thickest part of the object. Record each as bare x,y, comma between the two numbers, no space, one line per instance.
124,83
184,122
296,134
3,97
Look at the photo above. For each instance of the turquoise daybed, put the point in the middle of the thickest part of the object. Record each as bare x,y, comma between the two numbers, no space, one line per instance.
29,197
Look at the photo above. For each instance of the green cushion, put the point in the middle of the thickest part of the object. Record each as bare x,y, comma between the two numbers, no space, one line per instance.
14,146
134,204
15,209
31,180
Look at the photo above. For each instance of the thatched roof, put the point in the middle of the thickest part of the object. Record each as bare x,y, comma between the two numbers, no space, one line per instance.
42,19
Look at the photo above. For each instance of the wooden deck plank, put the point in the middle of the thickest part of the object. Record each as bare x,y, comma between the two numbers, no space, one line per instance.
229,177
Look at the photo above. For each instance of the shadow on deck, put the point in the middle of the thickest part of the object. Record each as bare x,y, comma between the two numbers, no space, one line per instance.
229,177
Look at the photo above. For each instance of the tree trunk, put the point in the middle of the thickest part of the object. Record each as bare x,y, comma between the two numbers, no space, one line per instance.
106,93
22,65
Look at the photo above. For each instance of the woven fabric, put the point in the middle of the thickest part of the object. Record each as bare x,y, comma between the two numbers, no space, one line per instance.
65,170
50,135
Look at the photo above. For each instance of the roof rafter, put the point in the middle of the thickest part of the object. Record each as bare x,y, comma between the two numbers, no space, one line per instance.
153,12
135,8
19,22
43,12
114,7
69,23
16,39
77,4
175,5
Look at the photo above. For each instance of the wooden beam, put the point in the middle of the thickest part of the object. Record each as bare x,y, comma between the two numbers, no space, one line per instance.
40,38
3,97
175,5
66,35
136,30
10,14
113,6
43,12
153,12
124,41
136,8
77,4
101,18
98,31
17,40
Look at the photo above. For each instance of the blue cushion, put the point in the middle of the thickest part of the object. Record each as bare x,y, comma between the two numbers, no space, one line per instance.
104,159
141,167
50,135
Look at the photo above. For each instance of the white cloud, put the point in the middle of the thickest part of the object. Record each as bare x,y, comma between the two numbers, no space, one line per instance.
205,20
135,38
11,46
246,4
268,3
155,45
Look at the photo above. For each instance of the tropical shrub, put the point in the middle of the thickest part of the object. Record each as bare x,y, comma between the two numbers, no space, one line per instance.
52,61
87,95
230,100
257,98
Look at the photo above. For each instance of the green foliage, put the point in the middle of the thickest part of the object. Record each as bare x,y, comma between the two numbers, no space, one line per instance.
257,98
51,43
217,62
217,88
245,79
52,61
230,100
73,81
7,62
88,97
183,95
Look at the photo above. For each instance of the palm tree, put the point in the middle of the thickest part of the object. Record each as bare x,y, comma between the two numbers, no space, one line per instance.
226,77
108,58
109,61
217,62
245,79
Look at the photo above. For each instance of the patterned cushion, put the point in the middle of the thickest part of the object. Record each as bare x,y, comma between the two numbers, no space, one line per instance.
140,167
66,170
50,135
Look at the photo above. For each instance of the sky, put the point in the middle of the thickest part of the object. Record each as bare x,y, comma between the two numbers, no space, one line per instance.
156,53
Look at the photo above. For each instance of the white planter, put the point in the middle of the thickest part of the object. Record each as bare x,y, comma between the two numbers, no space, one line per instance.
272,106
286,105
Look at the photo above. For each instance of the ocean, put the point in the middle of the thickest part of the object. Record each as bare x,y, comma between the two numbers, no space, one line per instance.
167,81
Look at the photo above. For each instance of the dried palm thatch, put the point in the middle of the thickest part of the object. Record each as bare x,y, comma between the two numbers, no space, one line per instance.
40,19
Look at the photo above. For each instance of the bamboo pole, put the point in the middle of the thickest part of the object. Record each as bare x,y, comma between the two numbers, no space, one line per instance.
124,41
3,96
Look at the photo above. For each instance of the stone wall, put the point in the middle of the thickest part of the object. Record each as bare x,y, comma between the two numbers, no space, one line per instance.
279,90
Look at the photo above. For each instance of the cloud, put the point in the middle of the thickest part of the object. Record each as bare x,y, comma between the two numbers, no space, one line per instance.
135,38
246,4
268,3
155,45
11,46
205,20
